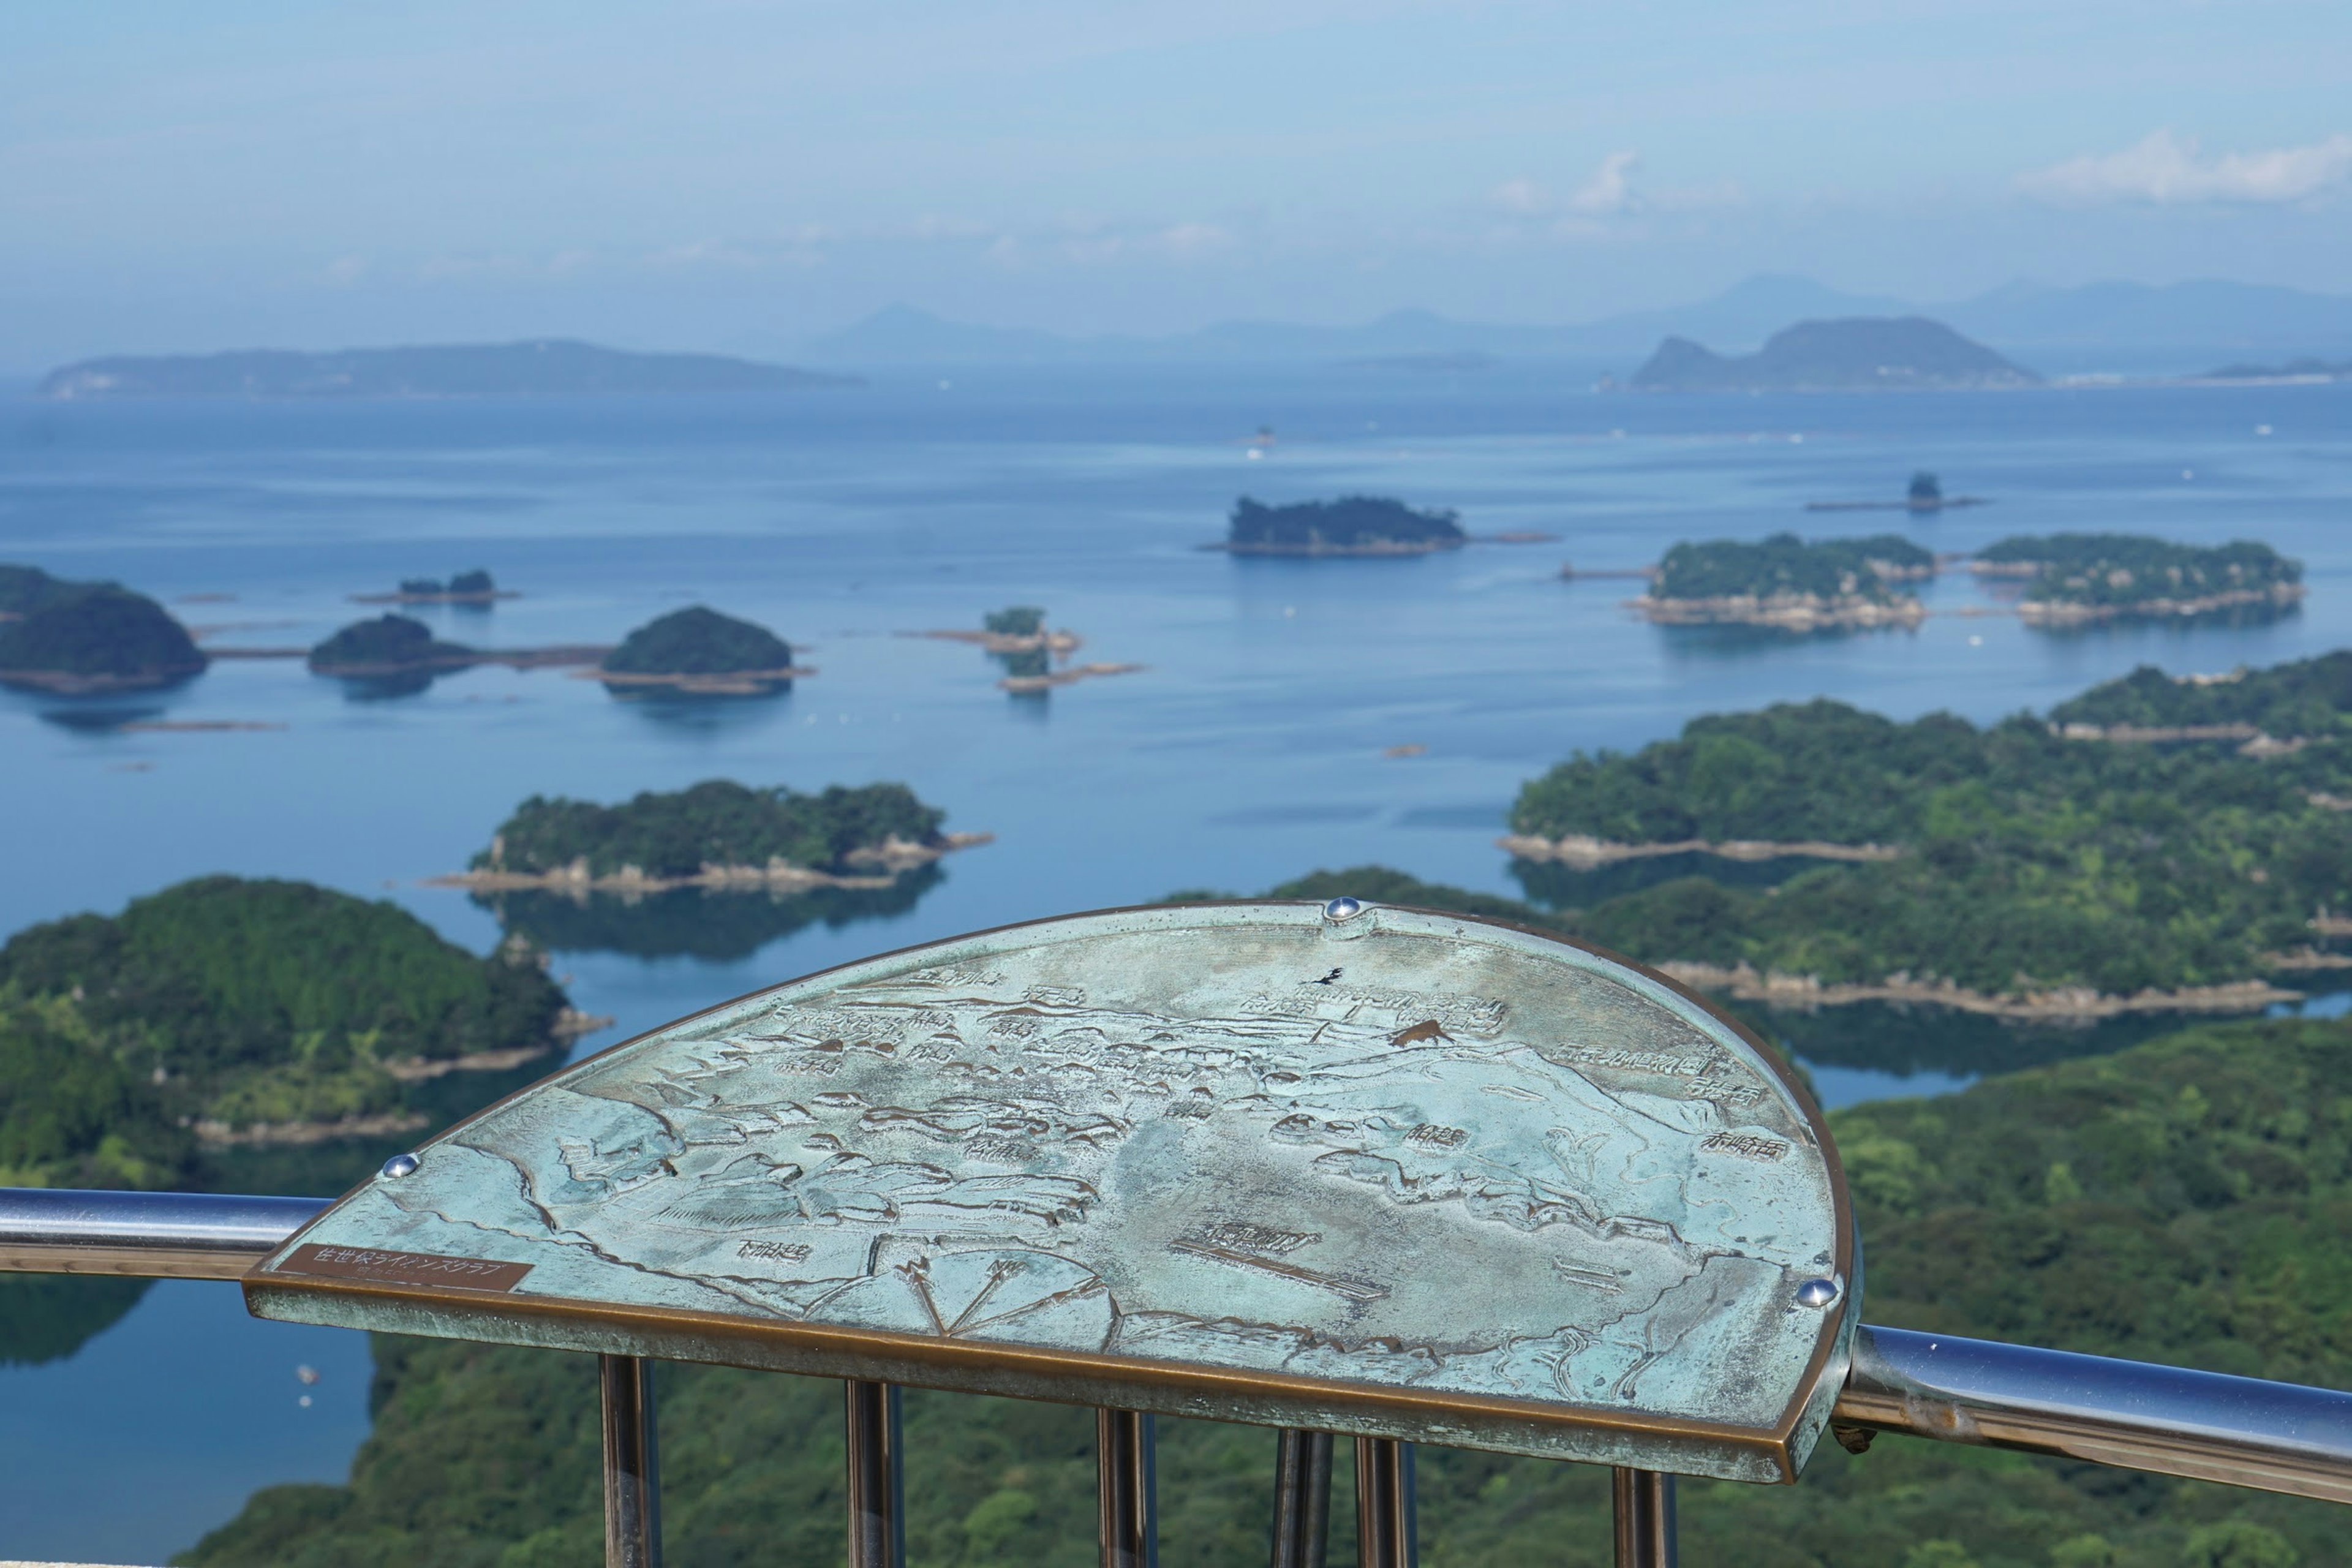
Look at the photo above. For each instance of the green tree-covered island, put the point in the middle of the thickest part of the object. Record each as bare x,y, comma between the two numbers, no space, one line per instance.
476,586
387,645
2019,869
1789,584
2287,705
2078,579
237,1036
698,651
717,836
87,639
1352,525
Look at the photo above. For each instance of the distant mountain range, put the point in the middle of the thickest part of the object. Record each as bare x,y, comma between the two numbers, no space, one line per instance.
545,367
1857,354
2194,323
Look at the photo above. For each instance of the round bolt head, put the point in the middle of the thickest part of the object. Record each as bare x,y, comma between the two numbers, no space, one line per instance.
1342,907
401,1166
1818,1293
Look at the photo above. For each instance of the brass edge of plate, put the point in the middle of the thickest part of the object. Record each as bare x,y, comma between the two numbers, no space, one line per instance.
1029,1372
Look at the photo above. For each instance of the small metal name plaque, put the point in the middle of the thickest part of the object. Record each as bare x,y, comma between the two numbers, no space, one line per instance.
1406,1174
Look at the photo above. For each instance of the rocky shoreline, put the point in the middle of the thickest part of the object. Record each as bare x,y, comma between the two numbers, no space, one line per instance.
2071,613
2072,1004
1584,853
1784,612
1062,642
889,859
730,683
1070,677
438,664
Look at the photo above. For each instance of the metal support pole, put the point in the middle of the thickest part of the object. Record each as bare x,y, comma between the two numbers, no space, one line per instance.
1126,1490
878,1487
1385,1533
632,1464
1302,1497
1646,1517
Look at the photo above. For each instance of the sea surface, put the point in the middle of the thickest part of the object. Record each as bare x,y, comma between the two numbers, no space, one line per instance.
1251,749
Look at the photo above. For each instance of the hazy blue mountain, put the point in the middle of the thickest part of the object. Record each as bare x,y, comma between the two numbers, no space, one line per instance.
542,368
901,334
1740,317
1859,354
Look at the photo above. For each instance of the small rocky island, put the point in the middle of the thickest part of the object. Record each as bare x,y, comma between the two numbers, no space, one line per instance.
1926,494
2081,579
1352,525
387,645
1788,583
475,587
699,652
87,639
719,835
1861,353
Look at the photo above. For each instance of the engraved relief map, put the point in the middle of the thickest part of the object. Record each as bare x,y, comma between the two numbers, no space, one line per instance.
1421,1152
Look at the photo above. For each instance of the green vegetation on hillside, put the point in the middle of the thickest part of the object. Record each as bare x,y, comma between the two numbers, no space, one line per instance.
699,641
1352,524
2308,698
386,645
87,635
269,1001
715,822
2123,570
2187,1201
1785,564
1014,621
2027,862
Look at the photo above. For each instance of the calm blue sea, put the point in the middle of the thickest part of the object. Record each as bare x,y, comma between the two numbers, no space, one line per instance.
1251,750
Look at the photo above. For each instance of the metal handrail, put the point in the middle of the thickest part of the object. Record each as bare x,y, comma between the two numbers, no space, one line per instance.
2240,1431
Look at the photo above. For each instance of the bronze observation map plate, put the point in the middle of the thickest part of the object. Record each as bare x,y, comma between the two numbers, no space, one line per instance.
1398,1174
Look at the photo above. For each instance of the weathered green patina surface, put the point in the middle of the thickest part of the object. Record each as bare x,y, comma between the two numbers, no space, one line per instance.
1403,1174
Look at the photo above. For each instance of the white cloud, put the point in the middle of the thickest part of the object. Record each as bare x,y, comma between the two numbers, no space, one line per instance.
2171,170
1522,196
1611,188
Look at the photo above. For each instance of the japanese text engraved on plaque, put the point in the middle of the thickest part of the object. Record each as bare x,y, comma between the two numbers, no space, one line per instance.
1453,1159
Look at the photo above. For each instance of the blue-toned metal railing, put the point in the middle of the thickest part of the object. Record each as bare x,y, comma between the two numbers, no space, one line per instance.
2240,1431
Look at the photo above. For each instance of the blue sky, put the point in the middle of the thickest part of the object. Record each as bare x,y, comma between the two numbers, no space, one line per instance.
739,176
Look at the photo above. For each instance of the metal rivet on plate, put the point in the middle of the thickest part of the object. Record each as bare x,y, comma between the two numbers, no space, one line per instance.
1817,1292
401,1166
1342,907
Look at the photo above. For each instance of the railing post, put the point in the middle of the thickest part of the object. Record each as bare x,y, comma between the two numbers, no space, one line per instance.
877,1492
1126,1490
1302,1497
1646,1517
632,1464
1385,1533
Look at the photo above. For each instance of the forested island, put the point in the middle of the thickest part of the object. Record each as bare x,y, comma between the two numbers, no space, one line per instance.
1859,354
719,835
697,651
2006,870
2076,579
1924,495
544,367
1352,525
387,645
2285,705
2179,1202
87,639
1788,583
474,587
241,1036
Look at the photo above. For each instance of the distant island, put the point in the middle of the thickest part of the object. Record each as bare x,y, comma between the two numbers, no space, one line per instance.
697,651
387,645
1788,583
87,639
544,367
2076,579
2304,369
1352,525
475,587
1862,354
1926,494
1017,638
717,836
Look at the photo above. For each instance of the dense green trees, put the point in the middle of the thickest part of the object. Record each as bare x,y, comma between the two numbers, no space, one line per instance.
699,641
2027,862
1783,564
1352,524
2306,697
2126,569
714,822
93,633
386,645
2187,1201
